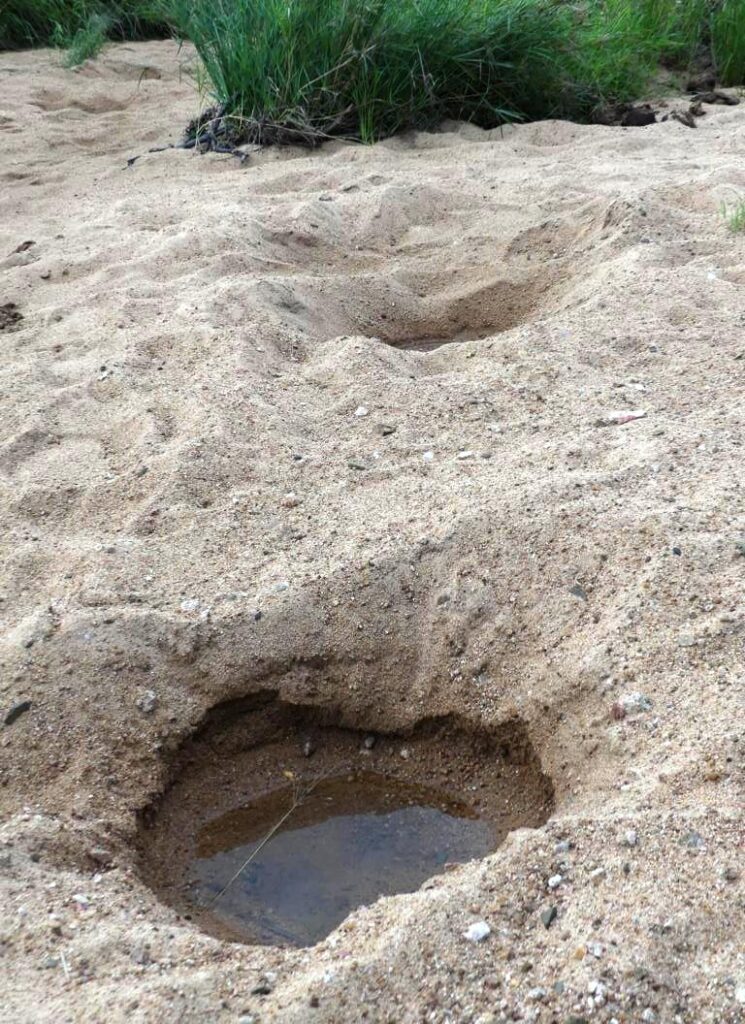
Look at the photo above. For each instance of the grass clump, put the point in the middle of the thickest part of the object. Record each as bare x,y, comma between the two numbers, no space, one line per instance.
86,42
80,25
305,70
734,215
728,41
619,45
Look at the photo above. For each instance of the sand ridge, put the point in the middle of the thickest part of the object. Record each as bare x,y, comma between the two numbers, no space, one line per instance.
219,472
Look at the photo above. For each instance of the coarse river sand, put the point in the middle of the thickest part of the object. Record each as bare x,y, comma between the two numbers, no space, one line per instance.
226,467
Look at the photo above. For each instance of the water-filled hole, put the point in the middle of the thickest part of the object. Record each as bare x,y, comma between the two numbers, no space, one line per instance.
279,823
291,865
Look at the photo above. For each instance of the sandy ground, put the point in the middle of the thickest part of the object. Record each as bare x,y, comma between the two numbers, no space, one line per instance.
196,427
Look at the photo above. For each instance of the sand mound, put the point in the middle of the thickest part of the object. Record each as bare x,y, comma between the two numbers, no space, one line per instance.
226,467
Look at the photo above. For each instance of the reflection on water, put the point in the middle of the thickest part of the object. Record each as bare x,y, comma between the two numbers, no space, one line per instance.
347,842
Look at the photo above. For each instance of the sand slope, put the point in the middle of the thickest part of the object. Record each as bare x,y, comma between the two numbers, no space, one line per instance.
179,450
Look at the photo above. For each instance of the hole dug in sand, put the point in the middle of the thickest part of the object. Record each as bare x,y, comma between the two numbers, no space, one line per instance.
469,308
279,822
417,310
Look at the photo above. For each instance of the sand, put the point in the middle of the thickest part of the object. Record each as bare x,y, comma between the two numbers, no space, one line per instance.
218,475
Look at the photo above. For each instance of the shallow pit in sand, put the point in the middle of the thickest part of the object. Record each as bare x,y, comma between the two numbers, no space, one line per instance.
279,821
425,311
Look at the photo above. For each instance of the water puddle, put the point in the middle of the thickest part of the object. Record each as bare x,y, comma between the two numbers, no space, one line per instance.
277,822
291,865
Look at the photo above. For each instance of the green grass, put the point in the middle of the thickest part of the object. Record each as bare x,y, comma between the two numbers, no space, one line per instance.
87,42
309,69
80,25
734,215
620,45
728,41
305,70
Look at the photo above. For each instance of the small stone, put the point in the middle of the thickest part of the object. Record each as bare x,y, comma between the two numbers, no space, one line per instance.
537,995
555,881
619,417
740,994
290,500
597,875
577,591
405,753
730,874
281,588
191,604
357,464
477,932
649,1016
147,702
428,456
100,856
634,703
369,741
386,429
141,955
563,846
548,916
465,455
262,989
596,948
693,840
360,411
308,748
630,838
598,991
246,1018
677,551
17,710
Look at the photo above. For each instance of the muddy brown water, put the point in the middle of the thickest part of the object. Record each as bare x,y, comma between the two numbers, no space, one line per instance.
289,867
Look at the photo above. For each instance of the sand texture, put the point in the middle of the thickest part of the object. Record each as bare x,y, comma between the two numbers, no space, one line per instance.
226,466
